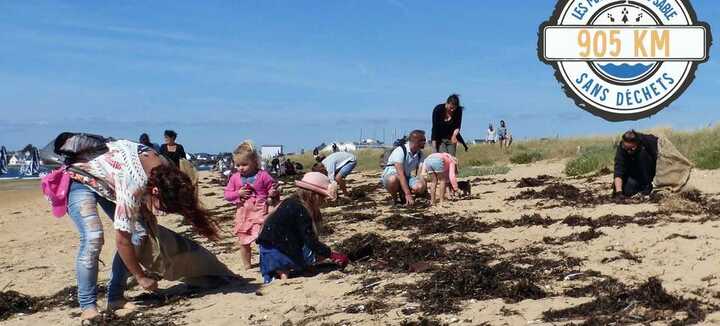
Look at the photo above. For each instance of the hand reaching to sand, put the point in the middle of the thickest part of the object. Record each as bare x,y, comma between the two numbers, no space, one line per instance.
148,284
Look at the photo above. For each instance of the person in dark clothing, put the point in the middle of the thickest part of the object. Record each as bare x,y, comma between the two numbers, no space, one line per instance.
446,122
172,150
635,164
145,140
288,240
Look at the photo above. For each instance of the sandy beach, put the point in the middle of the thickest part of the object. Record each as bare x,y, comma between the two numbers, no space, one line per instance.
421,262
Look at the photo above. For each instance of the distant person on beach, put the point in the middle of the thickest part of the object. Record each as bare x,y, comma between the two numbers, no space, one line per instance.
131,182
397,176
337,166
275,165
490,134
288,241
335,148
145,140
442,169
503,135
249,188
172,150
446,123
635,164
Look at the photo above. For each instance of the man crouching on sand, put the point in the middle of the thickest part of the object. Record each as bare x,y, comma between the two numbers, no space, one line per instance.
397,177
635,164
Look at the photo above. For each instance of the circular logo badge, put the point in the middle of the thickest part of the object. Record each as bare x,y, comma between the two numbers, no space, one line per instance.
624,60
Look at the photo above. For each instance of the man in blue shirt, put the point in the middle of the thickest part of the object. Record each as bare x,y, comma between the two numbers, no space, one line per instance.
397,176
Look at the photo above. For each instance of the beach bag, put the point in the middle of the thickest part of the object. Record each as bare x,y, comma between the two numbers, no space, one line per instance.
56,186
71,147
176,258
672,169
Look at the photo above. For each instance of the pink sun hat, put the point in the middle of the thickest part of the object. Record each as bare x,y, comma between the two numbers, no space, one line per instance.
319,183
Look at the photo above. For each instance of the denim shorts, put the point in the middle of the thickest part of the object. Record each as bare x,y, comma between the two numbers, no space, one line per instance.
345,170
412,181
434,165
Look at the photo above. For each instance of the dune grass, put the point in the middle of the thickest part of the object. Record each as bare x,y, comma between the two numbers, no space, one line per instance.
584,154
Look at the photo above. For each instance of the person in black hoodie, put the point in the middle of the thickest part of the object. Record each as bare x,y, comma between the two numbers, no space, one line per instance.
635,164
288,240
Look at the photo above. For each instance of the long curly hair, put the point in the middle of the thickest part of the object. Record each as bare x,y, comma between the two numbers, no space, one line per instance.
177,195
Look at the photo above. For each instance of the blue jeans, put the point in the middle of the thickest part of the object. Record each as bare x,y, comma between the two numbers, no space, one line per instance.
345,170
82,208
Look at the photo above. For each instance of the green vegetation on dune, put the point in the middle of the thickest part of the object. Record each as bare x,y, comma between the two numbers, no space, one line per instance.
591,159
585,155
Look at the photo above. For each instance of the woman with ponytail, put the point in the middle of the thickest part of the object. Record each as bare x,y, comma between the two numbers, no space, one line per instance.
130,181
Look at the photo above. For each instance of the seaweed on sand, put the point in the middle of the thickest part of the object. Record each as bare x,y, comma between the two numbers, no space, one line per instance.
616,303
583,236
474,278
377,253
538,181
12,302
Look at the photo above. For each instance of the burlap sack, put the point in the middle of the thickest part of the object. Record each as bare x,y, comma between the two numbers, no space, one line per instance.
188,168
176,258
672,168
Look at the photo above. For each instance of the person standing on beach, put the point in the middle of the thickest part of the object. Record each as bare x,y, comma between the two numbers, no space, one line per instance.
249,189
446,123
490,134
130,181
337,166
397,177
503,136
172,150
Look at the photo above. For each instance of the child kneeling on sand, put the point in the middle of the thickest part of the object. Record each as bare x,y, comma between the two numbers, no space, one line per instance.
442,169
288,240
249,188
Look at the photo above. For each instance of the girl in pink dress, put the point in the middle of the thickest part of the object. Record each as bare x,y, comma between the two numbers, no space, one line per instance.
249,188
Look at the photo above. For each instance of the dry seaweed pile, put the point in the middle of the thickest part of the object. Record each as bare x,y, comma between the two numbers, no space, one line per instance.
435,224
360,193
583,236
473,275
540,180
616,303
568,194
12,302
372,251
370,307
446,223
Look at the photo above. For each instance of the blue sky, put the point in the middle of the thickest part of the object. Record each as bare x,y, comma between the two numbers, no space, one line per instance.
293,72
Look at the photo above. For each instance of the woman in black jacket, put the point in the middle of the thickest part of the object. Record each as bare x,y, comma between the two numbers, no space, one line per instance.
172,150
446,122
288,240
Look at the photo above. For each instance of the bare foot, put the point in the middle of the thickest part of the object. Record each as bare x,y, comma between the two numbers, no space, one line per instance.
89,314
123,304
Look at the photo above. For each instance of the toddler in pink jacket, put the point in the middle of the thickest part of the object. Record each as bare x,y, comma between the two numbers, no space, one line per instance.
250,189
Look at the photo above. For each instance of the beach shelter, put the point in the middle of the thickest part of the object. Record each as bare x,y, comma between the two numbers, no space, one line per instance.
3,160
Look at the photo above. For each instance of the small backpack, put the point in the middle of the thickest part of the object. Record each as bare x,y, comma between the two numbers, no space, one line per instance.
70,147
388,151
